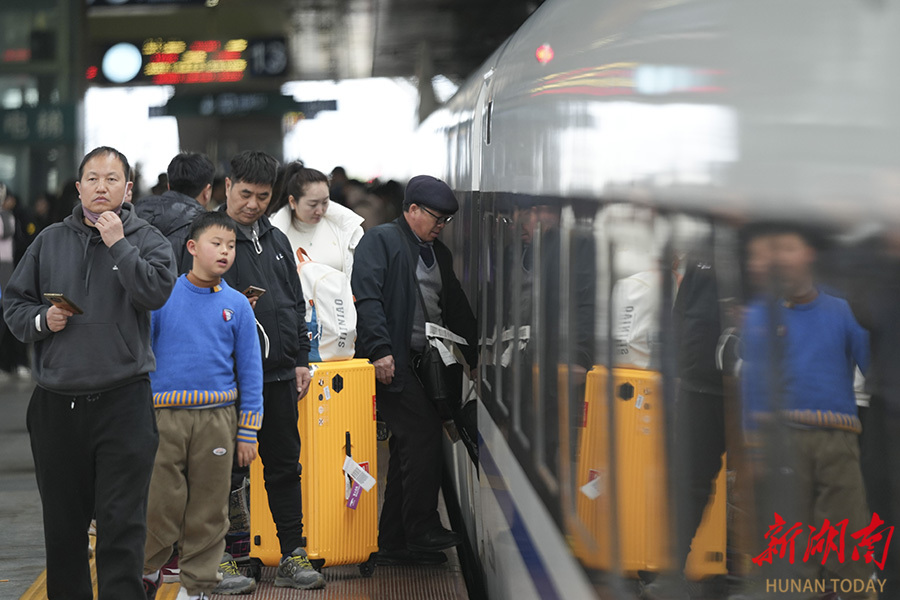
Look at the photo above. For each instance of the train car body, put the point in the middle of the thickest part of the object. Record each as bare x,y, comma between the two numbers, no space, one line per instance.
602,151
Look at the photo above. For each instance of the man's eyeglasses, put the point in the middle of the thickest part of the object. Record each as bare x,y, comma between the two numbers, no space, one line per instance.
438,220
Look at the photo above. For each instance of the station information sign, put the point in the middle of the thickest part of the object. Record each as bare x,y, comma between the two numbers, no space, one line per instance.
171,61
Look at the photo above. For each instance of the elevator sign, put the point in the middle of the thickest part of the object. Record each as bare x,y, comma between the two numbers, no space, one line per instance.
172,61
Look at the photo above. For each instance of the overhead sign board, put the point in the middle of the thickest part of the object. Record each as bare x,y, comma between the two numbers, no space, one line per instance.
173,61
48,124
239,104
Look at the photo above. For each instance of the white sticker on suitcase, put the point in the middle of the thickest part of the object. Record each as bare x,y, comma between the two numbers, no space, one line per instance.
358,474
593,489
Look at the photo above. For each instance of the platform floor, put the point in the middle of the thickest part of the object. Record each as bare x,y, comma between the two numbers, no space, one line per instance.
388,583
22,573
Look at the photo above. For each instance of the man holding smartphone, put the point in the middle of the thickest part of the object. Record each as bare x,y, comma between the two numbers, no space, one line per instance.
264,262
91,421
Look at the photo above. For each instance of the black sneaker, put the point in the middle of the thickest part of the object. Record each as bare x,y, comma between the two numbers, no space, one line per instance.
151,587
435,541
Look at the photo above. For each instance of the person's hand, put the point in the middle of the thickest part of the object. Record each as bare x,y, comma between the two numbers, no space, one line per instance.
303,379
57,318
110,226
473,373
253,300
384,369
246,453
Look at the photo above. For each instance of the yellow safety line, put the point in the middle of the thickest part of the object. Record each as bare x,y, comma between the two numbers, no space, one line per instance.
38,589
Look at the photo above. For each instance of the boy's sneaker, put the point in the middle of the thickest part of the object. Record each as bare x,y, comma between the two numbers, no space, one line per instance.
170,571
92,531
183,595
297,572
232,581
151,587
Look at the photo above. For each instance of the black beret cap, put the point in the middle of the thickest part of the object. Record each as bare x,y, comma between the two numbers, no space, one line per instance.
432,193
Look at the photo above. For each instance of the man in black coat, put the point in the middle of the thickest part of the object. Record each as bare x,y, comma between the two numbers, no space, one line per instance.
190,187
264,259
391,261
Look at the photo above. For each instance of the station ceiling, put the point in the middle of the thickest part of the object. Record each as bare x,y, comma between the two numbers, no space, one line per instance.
329,39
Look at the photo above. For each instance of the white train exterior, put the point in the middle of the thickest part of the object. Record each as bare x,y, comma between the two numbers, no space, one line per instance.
653,126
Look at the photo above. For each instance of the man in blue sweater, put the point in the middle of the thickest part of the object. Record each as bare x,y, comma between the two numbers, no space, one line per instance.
800,354
198,424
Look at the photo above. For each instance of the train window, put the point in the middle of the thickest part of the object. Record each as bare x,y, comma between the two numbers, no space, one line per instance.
543,231
495,223
518,314
578,277
617,464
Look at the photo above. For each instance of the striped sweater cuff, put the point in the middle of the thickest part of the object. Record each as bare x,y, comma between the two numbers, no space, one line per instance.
246,435
249,423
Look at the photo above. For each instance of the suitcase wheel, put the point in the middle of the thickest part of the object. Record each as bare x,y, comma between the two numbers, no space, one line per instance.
254,569
317,564
367,569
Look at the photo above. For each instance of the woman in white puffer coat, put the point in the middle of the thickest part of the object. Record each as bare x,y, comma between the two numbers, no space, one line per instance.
303,211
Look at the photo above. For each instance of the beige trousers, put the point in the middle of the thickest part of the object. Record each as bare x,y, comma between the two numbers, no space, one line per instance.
822,480
188,502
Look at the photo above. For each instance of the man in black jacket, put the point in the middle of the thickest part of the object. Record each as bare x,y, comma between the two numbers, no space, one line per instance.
390,260
699,413
91,421
190,187
264,259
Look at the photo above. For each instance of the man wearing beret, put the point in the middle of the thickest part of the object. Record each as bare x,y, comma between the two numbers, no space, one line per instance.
391,260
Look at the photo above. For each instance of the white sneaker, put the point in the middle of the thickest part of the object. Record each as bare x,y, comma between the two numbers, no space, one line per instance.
92,531
183,595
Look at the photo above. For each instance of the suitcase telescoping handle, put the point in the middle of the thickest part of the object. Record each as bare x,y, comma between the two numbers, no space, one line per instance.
348,443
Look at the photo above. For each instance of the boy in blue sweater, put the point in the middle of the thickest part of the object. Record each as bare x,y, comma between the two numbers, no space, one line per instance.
208,358
801,350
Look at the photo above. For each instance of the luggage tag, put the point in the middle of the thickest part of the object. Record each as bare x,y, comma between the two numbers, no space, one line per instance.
354,491
358,474
353,500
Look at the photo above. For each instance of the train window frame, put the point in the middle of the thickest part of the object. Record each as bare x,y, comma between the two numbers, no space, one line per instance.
521,436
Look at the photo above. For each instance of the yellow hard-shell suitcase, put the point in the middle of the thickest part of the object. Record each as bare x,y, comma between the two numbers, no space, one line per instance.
340,406
643,510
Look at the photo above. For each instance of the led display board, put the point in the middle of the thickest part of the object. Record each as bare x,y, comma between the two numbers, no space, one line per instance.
171,61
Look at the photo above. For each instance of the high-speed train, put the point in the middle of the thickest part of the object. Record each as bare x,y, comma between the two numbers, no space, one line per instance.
605,150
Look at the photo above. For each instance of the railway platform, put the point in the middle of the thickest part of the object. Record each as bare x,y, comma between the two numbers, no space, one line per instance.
22,575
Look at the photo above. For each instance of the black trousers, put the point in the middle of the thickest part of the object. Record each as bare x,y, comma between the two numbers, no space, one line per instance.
699,444
279,449
94,455
880,457
415,466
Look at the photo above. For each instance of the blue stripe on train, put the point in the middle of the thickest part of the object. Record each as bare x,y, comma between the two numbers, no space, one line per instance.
524,541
